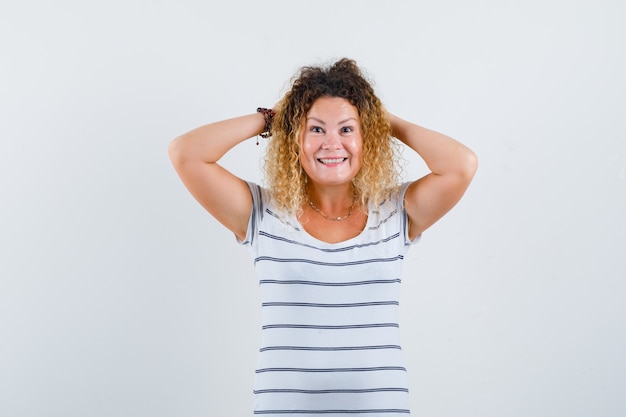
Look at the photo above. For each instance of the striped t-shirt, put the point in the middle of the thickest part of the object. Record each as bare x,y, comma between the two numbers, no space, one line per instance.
330,336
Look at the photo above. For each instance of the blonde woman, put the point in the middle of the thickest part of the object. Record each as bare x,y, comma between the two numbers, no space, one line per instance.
327,236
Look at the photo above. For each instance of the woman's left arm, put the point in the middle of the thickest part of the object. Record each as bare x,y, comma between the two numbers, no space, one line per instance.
452,167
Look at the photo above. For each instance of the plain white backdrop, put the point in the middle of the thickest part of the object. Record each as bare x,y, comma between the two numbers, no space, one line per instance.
119,296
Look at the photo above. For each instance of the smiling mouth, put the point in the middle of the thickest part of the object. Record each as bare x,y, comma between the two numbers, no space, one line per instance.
330,161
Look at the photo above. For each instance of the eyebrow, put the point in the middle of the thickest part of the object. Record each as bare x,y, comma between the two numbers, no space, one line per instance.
323,122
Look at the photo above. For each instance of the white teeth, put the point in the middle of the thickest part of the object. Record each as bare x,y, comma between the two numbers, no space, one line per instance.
331,160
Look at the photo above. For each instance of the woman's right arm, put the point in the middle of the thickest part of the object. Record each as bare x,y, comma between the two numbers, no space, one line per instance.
195,155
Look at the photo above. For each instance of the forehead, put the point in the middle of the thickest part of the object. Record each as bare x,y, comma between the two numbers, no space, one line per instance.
332,108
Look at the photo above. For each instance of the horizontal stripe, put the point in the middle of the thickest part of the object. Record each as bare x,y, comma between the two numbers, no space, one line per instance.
320,305
330,284
329,348
369,411
385,220
328,391
284,221
311,261
328,327
328,250
325,370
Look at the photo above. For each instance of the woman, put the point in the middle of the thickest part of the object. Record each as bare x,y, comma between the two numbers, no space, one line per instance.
328,236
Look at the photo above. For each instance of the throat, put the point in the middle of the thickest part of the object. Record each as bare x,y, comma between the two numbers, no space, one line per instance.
334,218
334,231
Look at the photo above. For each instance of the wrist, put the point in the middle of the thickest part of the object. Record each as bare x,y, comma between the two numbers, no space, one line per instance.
268,115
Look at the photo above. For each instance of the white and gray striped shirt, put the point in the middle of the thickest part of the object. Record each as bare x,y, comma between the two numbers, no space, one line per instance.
330,336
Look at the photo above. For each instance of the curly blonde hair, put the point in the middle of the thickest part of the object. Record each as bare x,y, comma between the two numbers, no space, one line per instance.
285,177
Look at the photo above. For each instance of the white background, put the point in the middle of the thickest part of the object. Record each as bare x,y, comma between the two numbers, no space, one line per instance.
119,296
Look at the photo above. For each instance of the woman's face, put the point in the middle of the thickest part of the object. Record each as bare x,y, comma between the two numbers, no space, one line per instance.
332,144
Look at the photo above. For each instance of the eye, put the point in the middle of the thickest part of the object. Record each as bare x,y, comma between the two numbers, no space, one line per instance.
347,129
316,129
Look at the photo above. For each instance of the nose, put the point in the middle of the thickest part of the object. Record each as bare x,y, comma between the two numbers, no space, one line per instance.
332,141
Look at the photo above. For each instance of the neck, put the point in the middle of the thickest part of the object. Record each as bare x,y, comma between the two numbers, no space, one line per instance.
333,203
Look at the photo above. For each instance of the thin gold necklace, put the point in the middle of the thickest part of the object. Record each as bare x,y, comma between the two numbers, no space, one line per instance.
335,219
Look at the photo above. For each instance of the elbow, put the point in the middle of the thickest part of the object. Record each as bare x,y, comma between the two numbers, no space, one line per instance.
466,167
470,164
176,152
173,150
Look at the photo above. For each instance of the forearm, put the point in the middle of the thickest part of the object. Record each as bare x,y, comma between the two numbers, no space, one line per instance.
210,142
442,154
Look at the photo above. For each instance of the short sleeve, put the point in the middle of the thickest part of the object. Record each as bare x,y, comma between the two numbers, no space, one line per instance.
256,214
399,201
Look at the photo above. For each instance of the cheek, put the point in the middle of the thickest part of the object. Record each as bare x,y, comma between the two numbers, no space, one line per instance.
306,148
359,154
356,146
305,143
306,154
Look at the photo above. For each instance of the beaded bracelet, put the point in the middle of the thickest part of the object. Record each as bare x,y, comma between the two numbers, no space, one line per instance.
268,114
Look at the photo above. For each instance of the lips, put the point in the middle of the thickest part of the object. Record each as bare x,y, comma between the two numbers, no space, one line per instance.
330,161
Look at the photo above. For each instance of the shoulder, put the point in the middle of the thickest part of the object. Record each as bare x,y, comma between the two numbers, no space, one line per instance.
394,197
390,214
256,191
264,207
391,205
261,196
